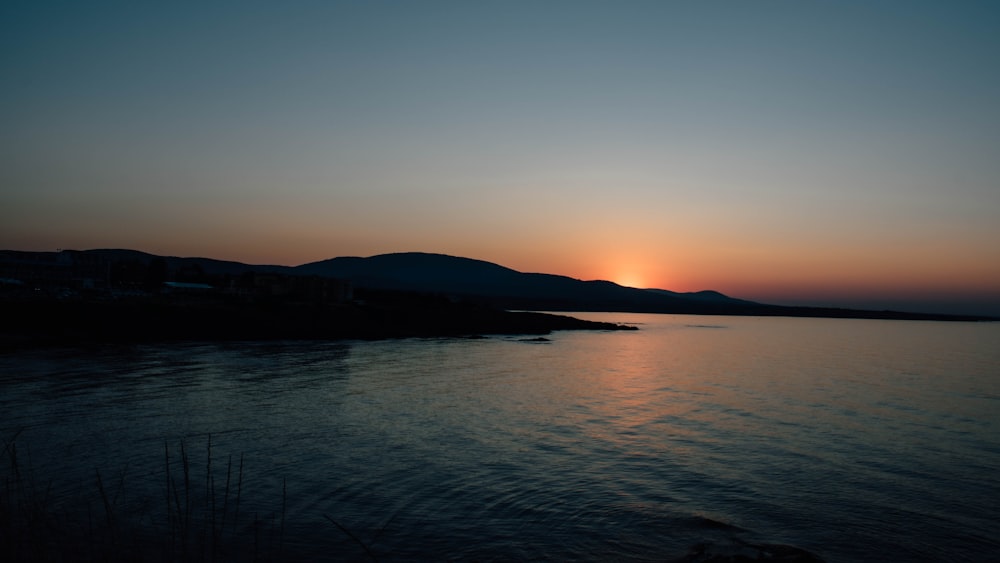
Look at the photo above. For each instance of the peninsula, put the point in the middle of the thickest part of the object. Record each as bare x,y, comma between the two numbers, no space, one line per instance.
126,295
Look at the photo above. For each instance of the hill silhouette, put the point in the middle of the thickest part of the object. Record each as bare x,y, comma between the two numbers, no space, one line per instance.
489,284
499,286
504,287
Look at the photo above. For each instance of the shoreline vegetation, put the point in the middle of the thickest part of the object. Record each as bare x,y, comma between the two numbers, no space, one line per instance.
204,510
201,513
48,321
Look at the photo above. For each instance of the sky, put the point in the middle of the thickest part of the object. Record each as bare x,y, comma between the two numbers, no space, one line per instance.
833,153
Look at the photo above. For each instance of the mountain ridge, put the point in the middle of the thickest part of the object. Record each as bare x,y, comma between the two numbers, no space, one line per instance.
506,287
495,285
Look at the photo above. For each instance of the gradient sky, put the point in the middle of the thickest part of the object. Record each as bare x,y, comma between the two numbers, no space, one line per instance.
786,151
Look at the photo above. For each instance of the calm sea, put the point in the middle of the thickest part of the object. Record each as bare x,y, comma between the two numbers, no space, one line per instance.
858,440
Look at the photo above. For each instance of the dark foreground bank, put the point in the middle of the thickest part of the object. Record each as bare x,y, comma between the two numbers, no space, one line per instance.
376,315
208,513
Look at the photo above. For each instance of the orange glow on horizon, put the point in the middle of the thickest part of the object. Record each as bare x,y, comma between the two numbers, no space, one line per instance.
765,273
632,272
630,279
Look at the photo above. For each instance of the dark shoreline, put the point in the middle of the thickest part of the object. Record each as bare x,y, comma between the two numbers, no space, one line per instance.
347,284
382,315
725,308
45,320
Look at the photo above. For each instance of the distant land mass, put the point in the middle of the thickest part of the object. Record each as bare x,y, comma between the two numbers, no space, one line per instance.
493,285
124,296
497,285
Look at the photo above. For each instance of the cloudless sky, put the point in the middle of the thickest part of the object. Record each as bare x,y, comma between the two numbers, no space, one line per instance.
811,151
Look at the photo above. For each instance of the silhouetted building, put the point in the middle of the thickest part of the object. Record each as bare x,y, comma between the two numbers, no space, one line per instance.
313,289
187,288
47,270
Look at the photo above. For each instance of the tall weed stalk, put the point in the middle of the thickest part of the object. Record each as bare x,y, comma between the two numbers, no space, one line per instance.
107,524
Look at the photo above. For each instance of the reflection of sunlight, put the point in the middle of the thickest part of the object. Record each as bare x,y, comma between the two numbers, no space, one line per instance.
645,391
669,389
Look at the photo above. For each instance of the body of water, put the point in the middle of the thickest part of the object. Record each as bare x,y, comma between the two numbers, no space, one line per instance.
857,440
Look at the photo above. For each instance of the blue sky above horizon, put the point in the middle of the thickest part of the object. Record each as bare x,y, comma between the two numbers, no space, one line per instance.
823,152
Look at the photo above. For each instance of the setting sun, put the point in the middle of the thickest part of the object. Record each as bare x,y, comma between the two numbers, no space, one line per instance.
630,280
536,144
630,277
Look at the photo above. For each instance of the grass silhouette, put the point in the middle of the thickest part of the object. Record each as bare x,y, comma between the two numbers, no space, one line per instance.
194,520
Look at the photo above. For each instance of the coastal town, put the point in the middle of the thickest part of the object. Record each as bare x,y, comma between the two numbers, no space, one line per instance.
77,275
